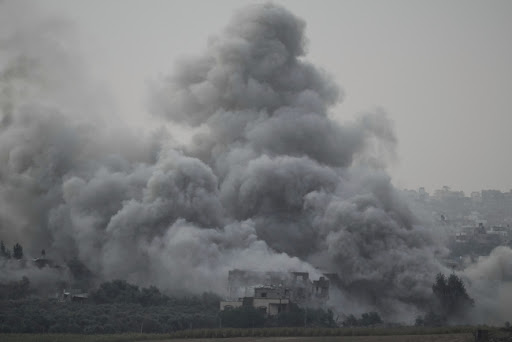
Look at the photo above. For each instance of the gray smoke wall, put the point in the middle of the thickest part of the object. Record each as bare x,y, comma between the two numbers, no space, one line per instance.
310,186
268,183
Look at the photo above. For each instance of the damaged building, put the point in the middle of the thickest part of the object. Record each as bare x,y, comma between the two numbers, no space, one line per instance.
273,292
270,300
73,295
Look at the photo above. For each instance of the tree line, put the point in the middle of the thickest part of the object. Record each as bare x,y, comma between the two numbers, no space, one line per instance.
250,317
451,302
17,251
118,306
115,307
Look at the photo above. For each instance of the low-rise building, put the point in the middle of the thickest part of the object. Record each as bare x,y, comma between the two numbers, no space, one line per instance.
268,299
296,286
74,295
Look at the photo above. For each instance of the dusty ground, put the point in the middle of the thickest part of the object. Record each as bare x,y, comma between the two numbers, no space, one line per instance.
402,338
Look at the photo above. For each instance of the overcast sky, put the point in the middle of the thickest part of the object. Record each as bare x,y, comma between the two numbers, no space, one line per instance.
441,69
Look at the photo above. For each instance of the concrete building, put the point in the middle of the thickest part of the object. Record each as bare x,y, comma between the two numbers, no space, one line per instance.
269,300
273,292
296,286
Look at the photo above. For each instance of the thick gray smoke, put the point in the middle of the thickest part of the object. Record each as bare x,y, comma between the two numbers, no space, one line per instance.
303,180
490,282
269,182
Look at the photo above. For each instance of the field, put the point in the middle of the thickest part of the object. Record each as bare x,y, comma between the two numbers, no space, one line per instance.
405,334
463,337
402,338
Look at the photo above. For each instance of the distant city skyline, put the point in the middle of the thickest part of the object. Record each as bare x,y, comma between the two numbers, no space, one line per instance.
441,69
466,193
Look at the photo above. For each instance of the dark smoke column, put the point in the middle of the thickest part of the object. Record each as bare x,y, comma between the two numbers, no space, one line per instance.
270,182
313,188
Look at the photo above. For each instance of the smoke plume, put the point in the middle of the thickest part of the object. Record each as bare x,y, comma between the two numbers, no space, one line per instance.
268,182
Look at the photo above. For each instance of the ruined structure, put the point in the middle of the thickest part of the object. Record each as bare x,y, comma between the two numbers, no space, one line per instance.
73,295
268,299
273,292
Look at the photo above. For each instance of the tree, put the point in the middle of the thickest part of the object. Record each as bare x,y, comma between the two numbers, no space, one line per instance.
4,252
431,319
367,319
242,317
17,251
15,289
350,321
370,318
451,296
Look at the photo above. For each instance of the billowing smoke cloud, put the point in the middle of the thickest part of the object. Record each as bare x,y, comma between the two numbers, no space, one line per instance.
490,282
269,182
302,179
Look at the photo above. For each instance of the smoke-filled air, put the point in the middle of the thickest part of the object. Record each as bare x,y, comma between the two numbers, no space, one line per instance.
268,180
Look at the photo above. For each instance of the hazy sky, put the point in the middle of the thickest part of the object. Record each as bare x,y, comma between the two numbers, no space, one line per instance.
441,69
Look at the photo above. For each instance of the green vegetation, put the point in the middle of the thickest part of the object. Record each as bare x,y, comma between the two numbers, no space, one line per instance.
115,307
299,317
120,307
4,252
119,291
50,316
14,290
452,303
249,317
17,251
367,319
451,295
242,317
